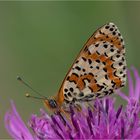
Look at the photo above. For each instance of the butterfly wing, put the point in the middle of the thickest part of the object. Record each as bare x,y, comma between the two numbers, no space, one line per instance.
99,69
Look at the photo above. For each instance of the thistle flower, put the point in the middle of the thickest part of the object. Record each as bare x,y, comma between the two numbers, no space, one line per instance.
105,122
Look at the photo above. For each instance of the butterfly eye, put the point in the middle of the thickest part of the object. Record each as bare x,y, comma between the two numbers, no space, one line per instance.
52,103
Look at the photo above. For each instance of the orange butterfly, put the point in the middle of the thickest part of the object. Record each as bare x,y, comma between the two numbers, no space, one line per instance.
98,70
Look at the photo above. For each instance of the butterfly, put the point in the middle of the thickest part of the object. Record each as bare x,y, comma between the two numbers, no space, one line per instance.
98,70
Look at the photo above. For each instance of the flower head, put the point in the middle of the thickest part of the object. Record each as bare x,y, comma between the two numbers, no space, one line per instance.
98,122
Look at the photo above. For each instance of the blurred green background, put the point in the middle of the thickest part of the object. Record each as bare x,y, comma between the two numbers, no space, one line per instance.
40,40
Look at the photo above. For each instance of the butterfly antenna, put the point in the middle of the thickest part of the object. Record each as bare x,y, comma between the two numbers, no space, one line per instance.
34,97
23,82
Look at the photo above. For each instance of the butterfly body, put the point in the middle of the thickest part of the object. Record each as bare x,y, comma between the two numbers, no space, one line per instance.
99,69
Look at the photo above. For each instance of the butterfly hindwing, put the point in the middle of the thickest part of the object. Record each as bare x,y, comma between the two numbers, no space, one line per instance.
100,67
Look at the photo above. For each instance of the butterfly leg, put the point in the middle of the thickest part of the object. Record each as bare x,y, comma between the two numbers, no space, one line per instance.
66,114
78,107
91,106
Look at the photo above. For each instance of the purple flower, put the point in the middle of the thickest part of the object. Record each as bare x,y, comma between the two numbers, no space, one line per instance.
103,121
15,126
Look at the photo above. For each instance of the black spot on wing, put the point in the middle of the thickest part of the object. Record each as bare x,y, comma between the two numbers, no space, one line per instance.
105,69
71,89
69,94
106,92
97,67
66,101
78,68
105,45
98,61
81,94
96,45
84,58
68,78
77,61
98,94
105,54
91,74
75,74
84,81
101,87
65,89
89,61
97,52
113,84
106,77
65,95
90,88
86,48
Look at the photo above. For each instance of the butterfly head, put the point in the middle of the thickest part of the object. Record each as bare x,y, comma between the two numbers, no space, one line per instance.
51,103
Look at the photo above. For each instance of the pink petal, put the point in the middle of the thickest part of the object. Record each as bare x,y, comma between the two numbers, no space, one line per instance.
15,126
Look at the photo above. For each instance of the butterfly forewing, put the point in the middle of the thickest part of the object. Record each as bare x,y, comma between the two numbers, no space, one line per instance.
99,69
